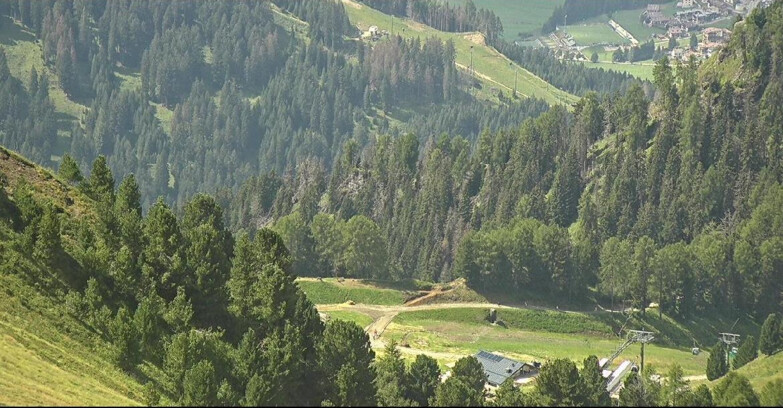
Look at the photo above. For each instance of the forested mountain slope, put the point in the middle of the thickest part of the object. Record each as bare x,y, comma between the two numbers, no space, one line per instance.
673,200
192,96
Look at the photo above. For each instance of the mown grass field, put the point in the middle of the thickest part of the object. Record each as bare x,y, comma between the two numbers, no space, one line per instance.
594,33
493,69
520,18
330,291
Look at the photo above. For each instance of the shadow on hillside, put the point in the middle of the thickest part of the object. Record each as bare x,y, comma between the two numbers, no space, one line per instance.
685,332
11,33
404,285
536,299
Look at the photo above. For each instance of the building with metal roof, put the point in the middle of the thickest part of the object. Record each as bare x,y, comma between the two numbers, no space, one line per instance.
498,368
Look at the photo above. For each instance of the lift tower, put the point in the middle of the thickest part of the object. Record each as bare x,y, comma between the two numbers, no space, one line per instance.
634,336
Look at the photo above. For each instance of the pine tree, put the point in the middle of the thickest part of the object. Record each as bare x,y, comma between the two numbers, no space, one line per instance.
747,352
424,377
594,384
769,341
391,378
559,383
47,244
101,183
124,339
676,386
471,371
344,362
69,169
199,385
456,392
716,363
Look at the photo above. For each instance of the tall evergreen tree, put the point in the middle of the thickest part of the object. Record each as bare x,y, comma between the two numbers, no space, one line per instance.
424,377
717,366
747,352
69,169
391,379
770,339
593,384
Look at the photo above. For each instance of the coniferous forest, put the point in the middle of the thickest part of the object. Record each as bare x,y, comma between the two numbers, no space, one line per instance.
222,153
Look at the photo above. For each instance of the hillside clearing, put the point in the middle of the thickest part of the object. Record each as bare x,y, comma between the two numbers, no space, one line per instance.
492,68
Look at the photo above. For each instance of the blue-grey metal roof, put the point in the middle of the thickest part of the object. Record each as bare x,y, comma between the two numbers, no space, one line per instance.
497,368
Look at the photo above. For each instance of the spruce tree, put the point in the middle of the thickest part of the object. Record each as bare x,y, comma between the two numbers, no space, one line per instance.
769,342
424,377
69,169
716,363
593,384
101,184
47,244
391,378
747,352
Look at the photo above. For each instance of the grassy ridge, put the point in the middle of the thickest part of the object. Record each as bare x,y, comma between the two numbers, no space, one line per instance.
463,338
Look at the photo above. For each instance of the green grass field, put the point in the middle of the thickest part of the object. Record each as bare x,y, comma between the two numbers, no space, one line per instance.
763,370
594,33
520,18
331,291
429,332
629,20
493,69
50,359
360,319
522,319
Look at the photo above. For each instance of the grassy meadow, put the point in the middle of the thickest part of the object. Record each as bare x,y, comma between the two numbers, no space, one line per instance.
49,358
546,338
520,18
330,291
594,33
